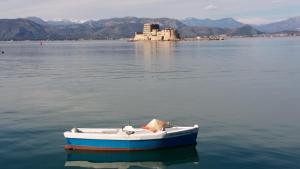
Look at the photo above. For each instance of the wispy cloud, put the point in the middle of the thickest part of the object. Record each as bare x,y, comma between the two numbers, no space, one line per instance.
277,1
211,7
254,21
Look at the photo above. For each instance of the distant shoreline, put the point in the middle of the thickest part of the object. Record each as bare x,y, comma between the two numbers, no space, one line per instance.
182,40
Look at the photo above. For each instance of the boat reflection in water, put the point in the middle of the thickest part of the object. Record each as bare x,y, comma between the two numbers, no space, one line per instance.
146,159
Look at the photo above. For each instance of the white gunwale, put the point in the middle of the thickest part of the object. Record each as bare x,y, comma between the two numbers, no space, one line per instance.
120,134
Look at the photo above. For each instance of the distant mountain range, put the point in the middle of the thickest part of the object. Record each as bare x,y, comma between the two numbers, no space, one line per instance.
291,24
219,23
51,22
34,28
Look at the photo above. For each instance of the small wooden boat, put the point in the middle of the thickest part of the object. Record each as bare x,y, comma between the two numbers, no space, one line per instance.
156,134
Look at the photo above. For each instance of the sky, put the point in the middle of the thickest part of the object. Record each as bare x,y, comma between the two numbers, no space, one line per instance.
251,12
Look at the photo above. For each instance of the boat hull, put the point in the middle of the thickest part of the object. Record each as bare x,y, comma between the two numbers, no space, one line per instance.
130,145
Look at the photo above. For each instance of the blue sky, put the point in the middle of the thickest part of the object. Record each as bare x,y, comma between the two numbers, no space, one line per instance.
253,11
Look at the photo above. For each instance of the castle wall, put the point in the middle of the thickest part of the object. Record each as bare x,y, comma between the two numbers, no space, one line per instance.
139,37
152,32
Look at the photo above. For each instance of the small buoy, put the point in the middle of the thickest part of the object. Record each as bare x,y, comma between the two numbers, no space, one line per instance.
2,52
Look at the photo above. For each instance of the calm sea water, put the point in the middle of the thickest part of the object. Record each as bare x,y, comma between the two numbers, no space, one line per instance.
243,93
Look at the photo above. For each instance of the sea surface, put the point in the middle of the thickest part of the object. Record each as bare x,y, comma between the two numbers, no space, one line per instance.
243,93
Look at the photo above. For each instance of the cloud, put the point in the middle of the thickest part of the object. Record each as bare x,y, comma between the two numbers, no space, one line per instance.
211,7
277,1
254,21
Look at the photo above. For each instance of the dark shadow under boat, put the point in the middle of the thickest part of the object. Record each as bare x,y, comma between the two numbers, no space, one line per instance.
146,159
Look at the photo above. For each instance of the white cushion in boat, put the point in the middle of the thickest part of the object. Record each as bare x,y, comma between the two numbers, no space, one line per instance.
156,125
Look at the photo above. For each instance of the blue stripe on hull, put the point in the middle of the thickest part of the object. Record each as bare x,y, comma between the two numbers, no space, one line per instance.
182,140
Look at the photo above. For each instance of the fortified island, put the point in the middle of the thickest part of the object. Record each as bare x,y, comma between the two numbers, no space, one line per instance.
152,32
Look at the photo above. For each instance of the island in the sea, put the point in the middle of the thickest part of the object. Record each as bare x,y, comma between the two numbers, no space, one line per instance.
154,33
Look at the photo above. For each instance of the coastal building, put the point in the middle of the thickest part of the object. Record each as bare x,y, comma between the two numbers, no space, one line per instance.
153,32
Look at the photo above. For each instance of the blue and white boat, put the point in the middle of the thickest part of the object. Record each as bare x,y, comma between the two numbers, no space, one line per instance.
155,135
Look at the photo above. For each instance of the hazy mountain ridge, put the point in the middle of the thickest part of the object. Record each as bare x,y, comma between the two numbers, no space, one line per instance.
34,28
246,30
290,24
219,23
21,29
63,22
193,31
163,22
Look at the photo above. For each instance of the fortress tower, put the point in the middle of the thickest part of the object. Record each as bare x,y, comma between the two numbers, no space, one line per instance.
152,32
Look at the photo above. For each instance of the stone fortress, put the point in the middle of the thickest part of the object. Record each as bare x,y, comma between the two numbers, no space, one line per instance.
152,32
